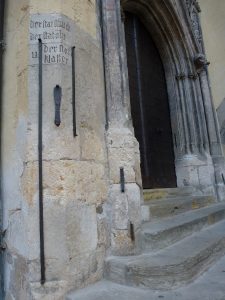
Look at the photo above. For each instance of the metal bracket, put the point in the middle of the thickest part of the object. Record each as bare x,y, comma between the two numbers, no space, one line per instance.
74,92
2,45
122,180
123,16
132,234
57,99
3,246
3,232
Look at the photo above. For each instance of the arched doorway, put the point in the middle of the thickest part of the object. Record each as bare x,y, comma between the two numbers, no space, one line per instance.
197,148
149,106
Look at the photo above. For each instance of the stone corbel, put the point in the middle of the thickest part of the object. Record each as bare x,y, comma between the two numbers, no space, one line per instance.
200,62
191,3
197,5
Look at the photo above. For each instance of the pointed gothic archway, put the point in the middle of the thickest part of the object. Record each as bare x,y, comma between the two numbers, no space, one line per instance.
199,162
176,31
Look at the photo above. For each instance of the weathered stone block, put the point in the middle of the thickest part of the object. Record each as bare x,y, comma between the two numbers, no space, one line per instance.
125,206
103,225
67,180
122,243
145,213
126,212
205,174
56,289
121,138
92,145
123,151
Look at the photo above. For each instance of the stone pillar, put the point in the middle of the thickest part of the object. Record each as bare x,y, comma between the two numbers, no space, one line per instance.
193,162
212,125
123,149
216,150
200,62
75,179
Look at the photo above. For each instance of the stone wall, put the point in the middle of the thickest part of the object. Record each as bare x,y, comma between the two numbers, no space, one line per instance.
86,216
213,24
75,178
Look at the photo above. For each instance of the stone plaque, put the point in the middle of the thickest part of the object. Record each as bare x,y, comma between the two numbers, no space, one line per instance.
57,34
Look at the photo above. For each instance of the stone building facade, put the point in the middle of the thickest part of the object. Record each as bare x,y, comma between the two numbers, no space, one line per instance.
72,55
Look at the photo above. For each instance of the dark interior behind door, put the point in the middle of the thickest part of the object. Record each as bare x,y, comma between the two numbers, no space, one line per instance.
149,106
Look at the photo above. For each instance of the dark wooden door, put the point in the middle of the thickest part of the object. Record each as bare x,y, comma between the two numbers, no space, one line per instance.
149,106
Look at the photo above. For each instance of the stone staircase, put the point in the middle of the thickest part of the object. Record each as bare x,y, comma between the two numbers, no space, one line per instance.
183,235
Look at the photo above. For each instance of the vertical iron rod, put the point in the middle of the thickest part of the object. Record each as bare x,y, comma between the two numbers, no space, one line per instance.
57,99
101,8
73,92
132,235
122,180
2,260
223,178
41,214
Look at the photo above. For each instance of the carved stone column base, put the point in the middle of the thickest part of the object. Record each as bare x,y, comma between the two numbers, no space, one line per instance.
196,171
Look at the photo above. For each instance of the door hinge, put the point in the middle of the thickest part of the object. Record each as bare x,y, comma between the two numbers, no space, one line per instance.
123,16
2,45
3,244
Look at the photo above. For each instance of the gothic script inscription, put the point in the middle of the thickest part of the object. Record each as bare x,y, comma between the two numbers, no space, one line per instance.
56,33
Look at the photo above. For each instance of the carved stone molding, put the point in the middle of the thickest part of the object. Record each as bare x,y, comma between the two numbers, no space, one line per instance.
183,76
193,12
191,3
180,76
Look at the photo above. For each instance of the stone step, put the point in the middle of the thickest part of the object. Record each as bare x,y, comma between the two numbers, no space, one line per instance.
157,194
210,286
172,206
162,233
173,266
